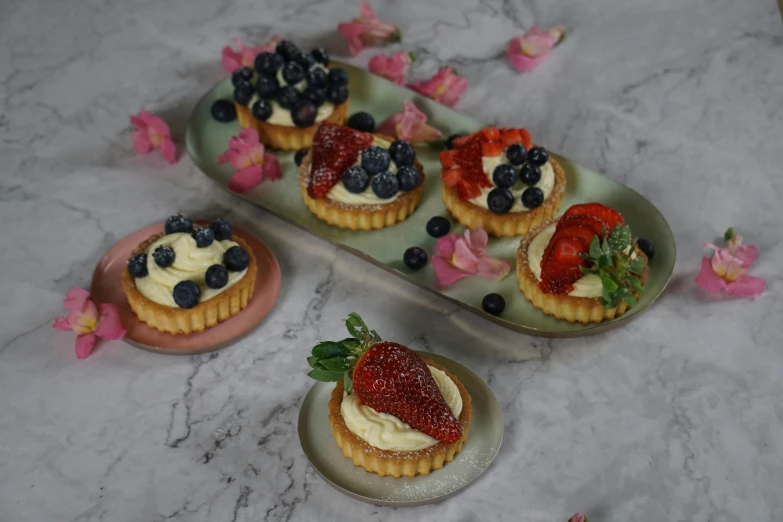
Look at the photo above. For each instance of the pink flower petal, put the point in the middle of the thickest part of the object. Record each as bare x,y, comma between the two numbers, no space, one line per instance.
492,268
245,179
110,326
392,68
446,245
84,344
169,150
272,170
229,156
536,42
76,300
746,254
445,87
155,123
389,125
367,29
707,279
230,59
463,258
366,11
137,122
445,273
62,324
747,286
352,33
249,136
478,240
141,142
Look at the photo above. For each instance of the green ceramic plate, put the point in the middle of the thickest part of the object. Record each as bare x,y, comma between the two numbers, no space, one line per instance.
207,139
482,445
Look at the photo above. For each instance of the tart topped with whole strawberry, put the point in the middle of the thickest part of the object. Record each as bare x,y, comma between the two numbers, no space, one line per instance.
584,266
497,179
392,412
360,181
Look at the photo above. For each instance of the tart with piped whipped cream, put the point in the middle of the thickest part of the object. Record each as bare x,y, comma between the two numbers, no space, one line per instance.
360,181
583,266
189,278
496,179
288,93
391,412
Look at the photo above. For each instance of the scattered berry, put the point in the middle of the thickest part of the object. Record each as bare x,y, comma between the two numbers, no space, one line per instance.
269,63
261,110
315,95
538,156
609,216
267,86
362,121
316,76
304,59
356,180
530,174
450,140
335,149
504,176
304,113
243,93
243,74
375,159
203,236
224,111
320,55
179,223
415,258
137,265
337,94
338,76
402,152
221,229
186,294
287,97
164,256
438,226
493,304
236,259
385,185
645,245
409,177
532,197
299,156
293,73
287,49
216,276
516,154
500,200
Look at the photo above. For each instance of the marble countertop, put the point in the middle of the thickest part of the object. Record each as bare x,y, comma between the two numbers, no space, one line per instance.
676,416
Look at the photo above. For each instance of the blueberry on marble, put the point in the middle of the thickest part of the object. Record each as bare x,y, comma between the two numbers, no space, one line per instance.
402,153
221,229
287,49
493,304
438,226
375,159
186,294
415,258
224,111
500,200
287,97
504,176
293,73
267,86
530,174
315,95
320,55
304,59
179,223
261,110
516,154
164,256
362,121
269,63
338,76
645,245
304,113
532,197
450,140
216,276
243,93
408,177
236,259
243,74
538,156
316,76
337,94
385,185
356,180
203,236
137,265
299,156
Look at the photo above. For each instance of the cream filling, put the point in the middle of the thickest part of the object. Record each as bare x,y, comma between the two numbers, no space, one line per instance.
190,263
387,432
281,116
546,183
341,194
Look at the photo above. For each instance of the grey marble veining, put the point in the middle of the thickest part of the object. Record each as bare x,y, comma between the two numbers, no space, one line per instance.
675,417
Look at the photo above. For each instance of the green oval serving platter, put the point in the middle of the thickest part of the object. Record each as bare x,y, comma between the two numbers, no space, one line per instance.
207,138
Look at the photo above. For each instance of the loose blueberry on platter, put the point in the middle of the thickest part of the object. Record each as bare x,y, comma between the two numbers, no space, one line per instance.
415,258
438,226
646,246
224,111
493,304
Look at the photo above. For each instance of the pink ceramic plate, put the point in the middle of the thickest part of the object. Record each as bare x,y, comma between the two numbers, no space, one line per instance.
107,288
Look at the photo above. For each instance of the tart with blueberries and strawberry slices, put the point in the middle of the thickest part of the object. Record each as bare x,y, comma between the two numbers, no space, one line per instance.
391,412
288,93
360,181
496,179
189,278
584,266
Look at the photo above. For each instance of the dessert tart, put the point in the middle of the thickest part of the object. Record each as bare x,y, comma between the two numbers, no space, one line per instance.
288,93
497,180
582,267
188,279
360,181
391,412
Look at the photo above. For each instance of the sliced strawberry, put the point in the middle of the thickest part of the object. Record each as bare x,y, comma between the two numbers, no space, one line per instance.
610,216
527,140
451,177
560,270
582,233
597,225
447,158
464,140
510,136
468,190
491,150
335,148
490,133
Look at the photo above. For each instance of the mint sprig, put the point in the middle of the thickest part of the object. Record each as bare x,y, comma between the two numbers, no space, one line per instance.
611,260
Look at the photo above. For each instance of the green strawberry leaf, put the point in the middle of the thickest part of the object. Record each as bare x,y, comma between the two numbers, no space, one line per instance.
347,382
438,144
626,296
587,271
595,248
637,265
313,362
335,364
330,349
620,239
635,283
728,234
608,283
604,261
355,326
325,376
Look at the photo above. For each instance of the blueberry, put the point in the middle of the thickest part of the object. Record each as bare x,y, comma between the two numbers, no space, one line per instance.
287,49
320,55
375,159
493,304
186,294
402,152
179,223
356,180
224,111
538,156
203,236
530,174
362,121
315,95
216,276
645,245
415,258
267,86
243,74
137,265
338,76
164,256
304,113
504,175
236,259
261,110
409,177
287,97
450,140
516,154
316,76
385,185
500,200
304,59
269,63
221,229
293,73
532,197
438,226
243,93
299,156
337,94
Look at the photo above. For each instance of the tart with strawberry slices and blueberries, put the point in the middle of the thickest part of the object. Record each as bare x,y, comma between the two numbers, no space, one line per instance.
584,266
392,412
496,179
360,181
288,93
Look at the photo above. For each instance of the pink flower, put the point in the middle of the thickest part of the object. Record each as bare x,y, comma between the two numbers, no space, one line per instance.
458,257
367,30
252,162
527,51
445,87
392,68
727,270
246,56
89,321
151,133
578,518
410,124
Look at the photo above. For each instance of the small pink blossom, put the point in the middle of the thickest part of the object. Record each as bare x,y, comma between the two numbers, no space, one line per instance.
151,133
367,30
578,517
459,257
89,321
245,56
727,270
252,163
410,124
392,67
445,87
526,52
